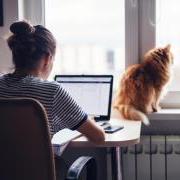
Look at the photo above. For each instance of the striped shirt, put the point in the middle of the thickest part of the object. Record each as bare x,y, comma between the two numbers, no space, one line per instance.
61,109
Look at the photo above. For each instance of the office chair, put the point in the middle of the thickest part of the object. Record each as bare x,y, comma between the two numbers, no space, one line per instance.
77,168
26,150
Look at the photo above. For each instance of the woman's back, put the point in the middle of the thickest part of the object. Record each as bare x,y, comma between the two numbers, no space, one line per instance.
33,50
54,98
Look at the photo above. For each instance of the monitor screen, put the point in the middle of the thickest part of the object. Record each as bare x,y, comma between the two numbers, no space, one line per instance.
92,93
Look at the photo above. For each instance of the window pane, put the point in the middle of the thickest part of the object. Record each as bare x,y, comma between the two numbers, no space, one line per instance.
168,32
90,35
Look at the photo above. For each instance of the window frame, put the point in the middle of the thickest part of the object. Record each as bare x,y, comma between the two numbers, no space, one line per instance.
140,35
172,97
33,11
139,12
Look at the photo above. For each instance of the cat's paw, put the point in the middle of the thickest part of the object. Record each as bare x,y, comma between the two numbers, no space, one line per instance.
154,109
159,108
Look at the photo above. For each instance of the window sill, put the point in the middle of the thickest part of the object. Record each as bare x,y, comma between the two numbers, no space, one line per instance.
165,114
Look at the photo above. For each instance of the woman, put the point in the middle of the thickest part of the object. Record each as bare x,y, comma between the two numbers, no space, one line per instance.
33,50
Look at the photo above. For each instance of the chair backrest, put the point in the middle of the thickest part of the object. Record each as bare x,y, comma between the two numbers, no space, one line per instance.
25,146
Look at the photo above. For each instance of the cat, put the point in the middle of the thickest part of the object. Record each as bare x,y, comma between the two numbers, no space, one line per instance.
142,85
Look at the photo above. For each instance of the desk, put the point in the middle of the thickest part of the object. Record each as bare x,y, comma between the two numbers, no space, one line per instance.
128,136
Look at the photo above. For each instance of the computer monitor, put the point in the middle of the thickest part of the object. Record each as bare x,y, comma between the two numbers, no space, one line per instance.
92,92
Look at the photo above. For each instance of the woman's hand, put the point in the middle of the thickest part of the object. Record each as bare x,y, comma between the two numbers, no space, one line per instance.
92,131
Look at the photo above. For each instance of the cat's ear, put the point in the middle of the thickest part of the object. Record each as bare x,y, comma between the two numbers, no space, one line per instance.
167,48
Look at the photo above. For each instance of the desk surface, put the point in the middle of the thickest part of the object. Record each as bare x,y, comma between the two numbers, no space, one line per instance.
129,135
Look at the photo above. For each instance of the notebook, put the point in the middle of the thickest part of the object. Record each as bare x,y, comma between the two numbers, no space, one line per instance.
64,136
93,93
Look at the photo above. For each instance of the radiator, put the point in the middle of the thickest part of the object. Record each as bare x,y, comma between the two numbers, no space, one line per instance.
157,157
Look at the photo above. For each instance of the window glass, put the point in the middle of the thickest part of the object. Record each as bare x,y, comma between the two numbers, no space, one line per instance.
168,32
90,36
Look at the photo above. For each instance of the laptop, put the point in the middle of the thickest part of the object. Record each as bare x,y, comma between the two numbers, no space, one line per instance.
94,94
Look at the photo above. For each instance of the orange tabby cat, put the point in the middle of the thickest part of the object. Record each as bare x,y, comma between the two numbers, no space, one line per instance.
142,85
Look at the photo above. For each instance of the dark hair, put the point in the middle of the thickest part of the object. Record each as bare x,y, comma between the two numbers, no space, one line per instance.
29,44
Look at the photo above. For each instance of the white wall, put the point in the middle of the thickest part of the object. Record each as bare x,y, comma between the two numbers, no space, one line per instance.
30,10
10,8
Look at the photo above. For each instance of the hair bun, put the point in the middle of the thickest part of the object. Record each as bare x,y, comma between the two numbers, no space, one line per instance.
21,27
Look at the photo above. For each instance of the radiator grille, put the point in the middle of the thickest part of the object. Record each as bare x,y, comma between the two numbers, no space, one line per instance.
157,157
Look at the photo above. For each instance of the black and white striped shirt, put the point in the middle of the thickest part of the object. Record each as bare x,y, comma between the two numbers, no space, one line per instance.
62,110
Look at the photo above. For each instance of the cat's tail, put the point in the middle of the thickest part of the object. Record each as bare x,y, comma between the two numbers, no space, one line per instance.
129,112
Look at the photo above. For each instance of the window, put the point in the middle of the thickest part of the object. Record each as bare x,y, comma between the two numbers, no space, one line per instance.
90,36
157,25
168,32
105,36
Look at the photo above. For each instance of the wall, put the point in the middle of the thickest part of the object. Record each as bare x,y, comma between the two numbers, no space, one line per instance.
10,8
30,10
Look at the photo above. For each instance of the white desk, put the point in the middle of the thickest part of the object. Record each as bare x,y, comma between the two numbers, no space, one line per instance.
124,137
129,135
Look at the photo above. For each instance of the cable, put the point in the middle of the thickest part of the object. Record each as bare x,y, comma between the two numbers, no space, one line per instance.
165,148
150,155
136,178
155,21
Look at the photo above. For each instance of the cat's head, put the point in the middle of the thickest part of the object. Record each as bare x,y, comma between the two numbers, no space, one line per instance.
162,55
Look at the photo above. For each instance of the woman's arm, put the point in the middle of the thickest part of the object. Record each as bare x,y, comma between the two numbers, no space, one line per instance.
71,116
92,131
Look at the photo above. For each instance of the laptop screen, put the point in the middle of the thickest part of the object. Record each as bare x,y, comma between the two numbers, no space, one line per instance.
92,92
